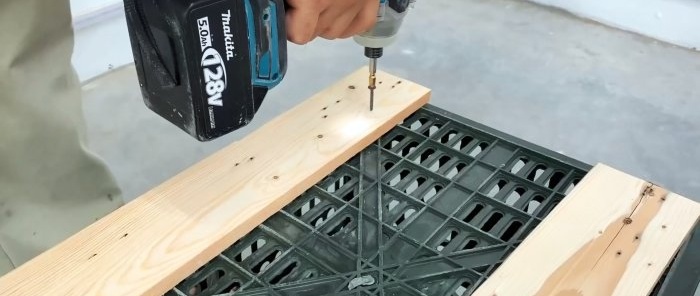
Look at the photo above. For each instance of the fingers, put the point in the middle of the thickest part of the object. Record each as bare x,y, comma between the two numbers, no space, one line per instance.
302,19
336,22
330,19
364,20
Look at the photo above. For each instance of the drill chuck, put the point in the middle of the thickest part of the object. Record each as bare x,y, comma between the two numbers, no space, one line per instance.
374,53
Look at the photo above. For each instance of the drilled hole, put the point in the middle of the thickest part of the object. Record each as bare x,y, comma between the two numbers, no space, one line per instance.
394,142
446,241
254,247
470,244
478,149
448,136
511,230
497,188
491,222
403,217
284,273
463,143
515,196
535,203
536,172
456,170
266,262
307,207
519,165
554,180
475,211
431,193
323,217
415,184
399,177
462,289
338,228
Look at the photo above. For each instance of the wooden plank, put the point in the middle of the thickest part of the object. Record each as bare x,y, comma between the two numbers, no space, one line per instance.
613,235
152,243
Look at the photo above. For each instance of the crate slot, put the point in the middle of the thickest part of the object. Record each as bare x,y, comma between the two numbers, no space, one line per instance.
536,172
338,228
447,240
284,273
432,130
511,230
472,214
497,188
534,204
519,165
266,262
338,184
462,289
416,125
515,196
456,170
554,180
414,185
233,287
478,149
252,248
471,243
463,143
492,221
394,142
432,193
323,217
572,186
307,207
447,137
398,178
403,217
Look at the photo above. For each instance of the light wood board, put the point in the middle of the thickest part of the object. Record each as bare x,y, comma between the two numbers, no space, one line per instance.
152,243
613,235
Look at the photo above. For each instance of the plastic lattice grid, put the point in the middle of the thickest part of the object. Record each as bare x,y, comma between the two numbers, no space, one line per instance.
432,208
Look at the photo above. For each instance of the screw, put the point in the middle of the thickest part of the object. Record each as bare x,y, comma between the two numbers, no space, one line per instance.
663,226
320,136
276,177
627,220
351,87
619,253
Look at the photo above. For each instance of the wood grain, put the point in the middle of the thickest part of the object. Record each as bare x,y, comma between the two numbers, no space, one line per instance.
613,235
152,243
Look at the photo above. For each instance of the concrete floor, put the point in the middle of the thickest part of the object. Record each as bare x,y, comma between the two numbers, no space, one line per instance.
594,93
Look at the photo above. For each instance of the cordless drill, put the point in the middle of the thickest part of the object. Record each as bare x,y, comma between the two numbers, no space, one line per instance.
390,17
207,65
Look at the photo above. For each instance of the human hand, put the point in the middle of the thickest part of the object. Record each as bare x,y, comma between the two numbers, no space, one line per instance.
330,19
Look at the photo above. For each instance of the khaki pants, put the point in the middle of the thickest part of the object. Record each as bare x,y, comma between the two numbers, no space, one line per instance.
50,185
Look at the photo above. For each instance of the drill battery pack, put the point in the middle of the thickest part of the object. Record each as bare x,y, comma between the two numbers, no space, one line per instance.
207,65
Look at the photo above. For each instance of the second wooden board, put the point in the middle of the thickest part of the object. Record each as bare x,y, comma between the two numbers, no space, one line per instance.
613,235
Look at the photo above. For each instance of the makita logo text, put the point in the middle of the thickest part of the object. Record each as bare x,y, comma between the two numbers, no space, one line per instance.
213,67
228,35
